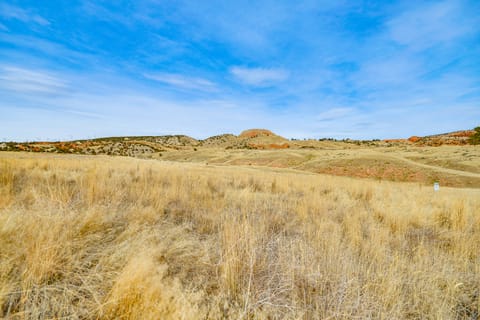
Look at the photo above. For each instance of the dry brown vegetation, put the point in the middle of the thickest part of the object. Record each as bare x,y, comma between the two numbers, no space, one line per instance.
454,166
447,158
120,238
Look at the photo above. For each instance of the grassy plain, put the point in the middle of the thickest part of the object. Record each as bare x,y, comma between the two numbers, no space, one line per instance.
455,166
97,237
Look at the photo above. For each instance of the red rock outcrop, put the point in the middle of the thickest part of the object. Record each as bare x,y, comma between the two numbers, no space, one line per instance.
253,133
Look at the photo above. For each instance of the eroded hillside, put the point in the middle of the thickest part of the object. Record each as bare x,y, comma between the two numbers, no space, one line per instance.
446,158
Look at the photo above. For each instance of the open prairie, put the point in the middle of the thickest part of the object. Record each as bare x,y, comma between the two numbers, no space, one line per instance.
447,159
239,160
266,237
455,166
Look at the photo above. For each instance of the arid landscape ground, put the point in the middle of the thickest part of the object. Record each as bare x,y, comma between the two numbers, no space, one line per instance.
240,228
270,160
448,158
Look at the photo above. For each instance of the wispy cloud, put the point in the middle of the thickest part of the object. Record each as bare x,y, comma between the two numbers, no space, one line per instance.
100,12
181,81
362,70
393,71
259,76
30,81
29,47
423,26
334,114
8,11
84,112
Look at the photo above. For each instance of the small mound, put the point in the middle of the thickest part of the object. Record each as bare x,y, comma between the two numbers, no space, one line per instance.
220,140
253,133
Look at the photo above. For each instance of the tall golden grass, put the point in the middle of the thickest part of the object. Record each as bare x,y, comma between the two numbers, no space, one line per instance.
117,238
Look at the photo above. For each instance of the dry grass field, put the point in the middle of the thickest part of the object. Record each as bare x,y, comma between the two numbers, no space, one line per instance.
454,166
445,158
97,237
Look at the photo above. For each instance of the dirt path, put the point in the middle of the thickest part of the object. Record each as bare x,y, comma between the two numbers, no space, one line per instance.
436,168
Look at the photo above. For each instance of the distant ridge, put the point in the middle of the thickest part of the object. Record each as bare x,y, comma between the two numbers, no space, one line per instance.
461,137
261,139
452,138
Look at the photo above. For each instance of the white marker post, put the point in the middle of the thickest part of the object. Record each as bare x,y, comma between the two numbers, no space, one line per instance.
436,186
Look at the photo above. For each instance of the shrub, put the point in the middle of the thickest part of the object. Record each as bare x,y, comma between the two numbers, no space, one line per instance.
475,139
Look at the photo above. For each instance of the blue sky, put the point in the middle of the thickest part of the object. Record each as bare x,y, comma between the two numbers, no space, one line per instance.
310,69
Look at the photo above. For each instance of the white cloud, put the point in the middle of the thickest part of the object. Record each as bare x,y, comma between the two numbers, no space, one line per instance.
30,81
259,76
399,69
180,81
334,114
57,52
110,113
425,26
96,10
11,12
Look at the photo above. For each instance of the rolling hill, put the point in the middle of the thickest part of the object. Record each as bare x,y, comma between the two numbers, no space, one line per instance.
445,157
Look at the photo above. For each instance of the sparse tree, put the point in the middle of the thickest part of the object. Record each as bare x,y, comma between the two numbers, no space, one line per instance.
475,139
